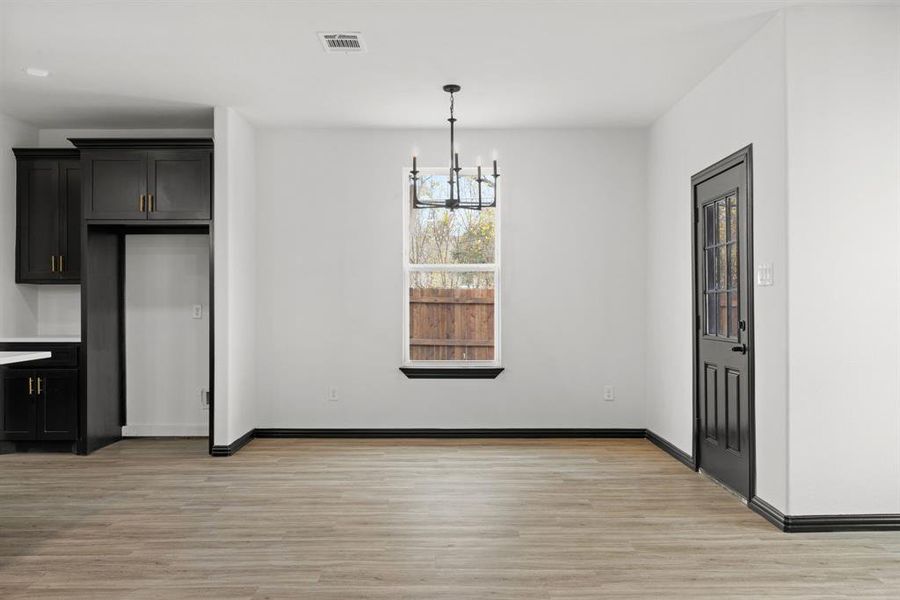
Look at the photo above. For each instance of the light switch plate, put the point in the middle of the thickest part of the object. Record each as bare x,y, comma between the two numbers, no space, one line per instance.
609,393
765,274
197,311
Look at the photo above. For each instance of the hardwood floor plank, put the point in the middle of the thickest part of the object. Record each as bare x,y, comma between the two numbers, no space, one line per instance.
401,519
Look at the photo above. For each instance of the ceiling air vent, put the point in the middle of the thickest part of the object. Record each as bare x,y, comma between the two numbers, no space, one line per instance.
344,42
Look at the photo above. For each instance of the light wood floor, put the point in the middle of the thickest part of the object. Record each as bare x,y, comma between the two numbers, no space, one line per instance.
403,519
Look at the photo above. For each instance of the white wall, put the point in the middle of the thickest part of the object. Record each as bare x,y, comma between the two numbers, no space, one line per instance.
817,91
843,95
742,102
59,310
236,393
18,303
330,281
166,349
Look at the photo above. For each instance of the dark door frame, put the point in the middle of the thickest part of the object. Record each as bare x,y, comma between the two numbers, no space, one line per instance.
115,230
118,230
744,155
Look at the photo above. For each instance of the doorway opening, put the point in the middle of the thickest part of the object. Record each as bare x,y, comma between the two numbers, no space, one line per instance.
166,311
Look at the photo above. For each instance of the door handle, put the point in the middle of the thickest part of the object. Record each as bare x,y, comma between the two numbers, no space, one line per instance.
149,202
30,386
742,348
141,203
53,264
39,386
60,263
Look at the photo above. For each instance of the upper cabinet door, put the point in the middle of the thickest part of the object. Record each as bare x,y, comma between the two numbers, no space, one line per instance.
37,183
69,267
114,183
179,184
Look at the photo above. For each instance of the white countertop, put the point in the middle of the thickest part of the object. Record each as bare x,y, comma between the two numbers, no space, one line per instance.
8,358
41,339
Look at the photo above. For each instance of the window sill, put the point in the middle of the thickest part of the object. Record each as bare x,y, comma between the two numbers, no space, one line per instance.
451,372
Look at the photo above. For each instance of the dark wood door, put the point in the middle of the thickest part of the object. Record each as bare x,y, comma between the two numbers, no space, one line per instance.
724,313
57,405
69,264
37,184
179,184
115,184
17,404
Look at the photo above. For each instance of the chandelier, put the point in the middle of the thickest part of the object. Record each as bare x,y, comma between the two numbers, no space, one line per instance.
455,200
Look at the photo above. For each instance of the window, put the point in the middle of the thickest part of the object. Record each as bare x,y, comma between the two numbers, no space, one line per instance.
451,269
720,219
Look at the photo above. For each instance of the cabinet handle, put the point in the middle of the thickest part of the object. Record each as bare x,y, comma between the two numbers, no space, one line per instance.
30,386
39,386
141,203
53,264
61,263
150,202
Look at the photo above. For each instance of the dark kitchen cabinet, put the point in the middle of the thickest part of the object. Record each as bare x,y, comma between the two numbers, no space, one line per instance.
135,180
48,216
179,184
39,399
39,405
115,184
57,411
17,405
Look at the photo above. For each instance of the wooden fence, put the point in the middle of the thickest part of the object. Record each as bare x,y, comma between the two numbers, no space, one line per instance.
451,324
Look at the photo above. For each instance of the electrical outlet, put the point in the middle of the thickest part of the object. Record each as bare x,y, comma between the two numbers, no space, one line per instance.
204,398
197,311
609,393
333,394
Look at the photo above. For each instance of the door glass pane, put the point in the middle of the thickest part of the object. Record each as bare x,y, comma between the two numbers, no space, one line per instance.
720,208
732,218
722,268
710,270
732,314
732,266
723,313
711,314
710,222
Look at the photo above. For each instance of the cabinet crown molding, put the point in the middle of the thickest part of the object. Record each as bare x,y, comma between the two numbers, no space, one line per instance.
38,153
142,143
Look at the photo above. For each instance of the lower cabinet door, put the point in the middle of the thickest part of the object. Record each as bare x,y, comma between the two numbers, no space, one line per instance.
57,413
17,405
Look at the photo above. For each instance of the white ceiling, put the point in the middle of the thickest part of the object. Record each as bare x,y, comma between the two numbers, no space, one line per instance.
521,64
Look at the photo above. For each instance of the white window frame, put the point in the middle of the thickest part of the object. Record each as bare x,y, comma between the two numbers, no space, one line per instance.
409,268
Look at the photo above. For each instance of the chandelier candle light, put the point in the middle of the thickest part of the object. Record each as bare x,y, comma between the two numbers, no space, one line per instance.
455,200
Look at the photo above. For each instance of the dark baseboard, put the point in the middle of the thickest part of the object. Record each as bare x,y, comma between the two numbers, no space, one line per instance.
95,444
451,433
13,447
823,523
767,511
234,446
676,453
